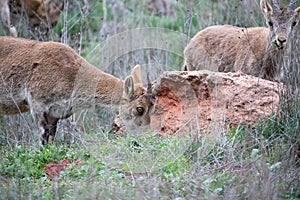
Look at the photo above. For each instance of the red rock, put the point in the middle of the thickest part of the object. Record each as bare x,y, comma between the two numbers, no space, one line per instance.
204,101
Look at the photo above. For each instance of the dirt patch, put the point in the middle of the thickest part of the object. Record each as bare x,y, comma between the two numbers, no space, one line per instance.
53,169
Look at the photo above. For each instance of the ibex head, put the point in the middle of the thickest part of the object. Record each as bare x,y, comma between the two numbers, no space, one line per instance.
137,101
280,21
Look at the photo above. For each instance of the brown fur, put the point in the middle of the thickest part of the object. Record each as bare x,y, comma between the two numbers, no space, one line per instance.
39,12
228,48
52,81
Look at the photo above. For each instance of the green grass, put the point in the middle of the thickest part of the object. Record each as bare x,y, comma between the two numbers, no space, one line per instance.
109,162
151,166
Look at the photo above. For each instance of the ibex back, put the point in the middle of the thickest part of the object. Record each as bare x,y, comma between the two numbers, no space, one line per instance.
53,82
254,51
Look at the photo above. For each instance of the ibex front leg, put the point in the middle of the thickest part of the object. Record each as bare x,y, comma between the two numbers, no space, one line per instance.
47,128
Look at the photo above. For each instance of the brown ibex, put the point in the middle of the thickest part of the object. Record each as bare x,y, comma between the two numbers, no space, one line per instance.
254,51
38,12
52,81
5,17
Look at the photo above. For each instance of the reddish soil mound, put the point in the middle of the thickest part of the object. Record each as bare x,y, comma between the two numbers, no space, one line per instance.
205,101
53,169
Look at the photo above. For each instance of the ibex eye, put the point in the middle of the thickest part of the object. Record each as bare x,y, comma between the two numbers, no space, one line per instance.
140,110
294,23
270,23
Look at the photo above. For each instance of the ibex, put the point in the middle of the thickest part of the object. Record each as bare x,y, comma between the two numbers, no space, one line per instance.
52,81
254,51
39,12
5,17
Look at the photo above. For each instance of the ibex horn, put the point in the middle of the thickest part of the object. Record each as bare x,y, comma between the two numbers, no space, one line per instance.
291,5
149,88
150,95
275,5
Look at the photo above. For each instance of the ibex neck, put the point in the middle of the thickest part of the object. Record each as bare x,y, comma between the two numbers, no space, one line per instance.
109,90
96,87
271,62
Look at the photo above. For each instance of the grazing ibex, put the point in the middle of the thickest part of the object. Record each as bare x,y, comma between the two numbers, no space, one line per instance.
39,12
52,81
5,17
43,13
254,50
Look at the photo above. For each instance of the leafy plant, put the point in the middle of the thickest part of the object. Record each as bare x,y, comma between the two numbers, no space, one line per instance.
28,162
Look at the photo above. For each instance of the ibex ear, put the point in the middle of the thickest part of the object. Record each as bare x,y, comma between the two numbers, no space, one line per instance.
297,12
61,6
137,76
129,87
265,7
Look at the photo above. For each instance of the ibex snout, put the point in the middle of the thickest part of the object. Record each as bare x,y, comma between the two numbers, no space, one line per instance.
280,41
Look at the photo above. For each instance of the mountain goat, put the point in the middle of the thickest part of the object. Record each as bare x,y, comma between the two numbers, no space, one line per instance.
38,12
52,81
254,51
5,17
